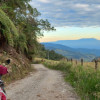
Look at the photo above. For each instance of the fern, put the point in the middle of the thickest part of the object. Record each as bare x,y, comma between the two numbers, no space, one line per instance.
9,31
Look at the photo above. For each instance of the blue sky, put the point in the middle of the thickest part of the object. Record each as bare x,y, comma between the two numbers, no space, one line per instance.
73,19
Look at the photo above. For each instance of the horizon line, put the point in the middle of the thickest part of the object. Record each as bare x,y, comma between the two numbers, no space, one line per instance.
71,39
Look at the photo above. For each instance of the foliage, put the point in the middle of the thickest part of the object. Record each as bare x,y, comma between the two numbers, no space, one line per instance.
49,54
7,28
21,43
85,81
29,27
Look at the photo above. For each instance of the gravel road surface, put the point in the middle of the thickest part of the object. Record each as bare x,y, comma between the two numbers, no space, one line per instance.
44,84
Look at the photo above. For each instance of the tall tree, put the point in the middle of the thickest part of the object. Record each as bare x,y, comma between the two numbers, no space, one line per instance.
8,31
28,25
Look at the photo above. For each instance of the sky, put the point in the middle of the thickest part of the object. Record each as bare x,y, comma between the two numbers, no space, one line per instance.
73,19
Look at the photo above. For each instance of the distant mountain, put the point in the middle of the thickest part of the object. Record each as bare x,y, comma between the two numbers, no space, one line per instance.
88,43
69,52
51,46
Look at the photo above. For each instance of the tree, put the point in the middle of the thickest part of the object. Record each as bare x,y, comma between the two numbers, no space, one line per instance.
43,53
29,28
8,31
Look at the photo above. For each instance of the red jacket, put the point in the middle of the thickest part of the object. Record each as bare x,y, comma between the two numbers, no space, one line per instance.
2,95
3,70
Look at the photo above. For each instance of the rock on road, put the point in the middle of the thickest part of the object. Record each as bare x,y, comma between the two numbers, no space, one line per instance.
44,84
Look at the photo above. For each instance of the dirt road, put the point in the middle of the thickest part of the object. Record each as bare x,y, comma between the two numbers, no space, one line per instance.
44,84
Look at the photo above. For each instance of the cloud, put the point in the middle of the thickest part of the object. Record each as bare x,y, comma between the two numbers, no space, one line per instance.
81,5
44,1
69,12
85,7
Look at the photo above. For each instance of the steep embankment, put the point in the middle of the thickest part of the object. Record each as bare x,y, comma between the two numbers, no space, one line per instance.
19,65
10,49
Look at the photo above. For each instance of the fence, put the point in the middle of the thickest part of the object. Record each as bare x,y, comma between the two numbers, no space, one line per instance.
94,63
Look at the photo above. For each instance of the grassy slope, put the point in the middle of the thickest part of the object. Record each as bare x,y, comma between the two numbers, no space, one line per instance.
75,55
85,80
87,54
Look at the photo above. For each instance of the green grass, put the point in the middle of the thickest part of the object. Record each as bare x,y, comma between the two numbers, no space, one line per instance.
85,81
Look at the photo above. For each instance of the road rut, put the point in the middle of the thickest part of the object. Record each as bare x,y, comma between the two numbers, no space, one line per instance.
44,84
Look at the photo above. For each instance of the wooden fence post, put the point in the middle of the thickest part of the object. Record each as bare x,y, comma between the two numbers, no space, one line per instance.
81,62
71,60
76,62
96,64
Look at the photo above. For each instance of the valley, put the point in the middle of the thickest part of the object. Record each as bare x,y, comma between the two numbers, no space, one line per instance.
67,48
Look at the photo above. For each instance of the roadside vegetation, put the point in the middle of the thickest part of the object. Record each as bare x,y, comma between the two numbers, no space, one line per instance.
48,54
85,80
18,68
20,29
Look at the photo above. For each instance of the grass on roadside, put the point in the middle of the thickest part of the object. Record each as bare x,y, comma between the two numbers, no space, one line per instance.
85,81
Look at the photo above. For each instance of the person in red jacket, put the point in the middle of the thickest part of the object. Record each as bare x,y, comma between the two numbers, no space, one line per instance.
3,69
2,94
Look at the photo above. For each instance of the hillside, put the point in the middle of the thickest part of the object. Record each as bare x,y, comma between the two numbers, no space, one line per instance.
18,36
87,54
89,43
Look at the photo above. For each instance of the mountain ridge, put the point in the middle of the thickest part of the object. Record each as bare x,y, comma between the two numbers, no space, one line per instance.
87,43
87,54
